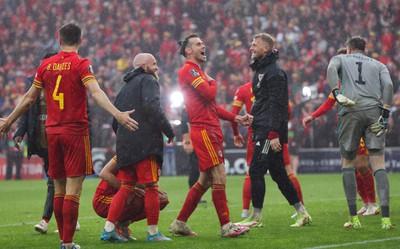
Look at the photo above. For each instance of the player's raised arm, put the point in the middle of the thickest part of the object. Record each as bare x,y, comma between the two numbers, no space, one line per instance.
25,102
101,98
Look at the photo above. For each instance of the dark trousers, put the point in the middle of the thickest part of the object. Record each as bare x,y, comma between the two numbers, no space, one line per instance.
14,157
260,164
194,169
48,205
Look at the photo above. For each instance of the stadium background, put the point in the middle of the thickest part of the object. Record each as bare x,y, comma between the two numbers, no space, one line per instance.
308,33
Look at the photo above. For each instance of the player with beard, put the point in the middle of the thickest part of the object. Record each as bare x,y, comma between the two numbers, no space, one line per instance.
244,96
199,91
140,154
270,129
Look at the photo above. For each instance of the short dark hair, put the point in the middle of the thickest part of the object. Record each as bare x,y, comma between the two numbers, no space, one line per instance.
184,44
356,43
70,34
342,51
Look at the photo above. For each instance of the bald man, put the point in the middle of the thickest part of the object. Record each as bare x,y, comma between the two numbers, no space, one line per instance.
140,153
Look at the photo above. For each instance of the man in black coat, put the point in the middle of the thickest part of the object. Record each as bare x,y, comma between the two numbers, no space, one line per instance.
270,129
140,153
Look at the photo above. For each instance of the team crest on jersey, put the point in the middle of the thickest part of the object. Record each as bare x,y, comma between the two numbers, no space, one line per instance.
260,76
90,69
194,72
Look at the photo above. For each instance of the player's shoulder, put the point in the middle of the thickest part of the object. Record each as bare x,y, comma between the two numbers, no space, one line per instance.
190,70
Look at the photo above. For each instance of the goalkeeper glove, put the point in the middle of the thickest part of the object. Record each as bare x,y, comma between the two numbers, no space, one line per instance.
341,99
380,126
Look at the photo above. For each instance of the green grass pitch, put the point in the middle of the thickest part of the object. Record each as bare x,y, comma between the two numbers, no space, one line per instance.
21,204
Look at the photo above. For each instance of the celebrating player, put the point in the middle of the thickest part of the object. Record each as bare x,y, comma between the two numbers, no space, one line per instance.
244,96
199,91
65,78
134,208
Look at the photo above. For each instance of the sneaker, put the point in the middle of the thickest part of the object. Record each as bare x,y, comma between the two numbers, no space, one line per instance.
249,222
372,209
302,220
74,246
157,237
387,224
41,227
111,236
181,228
77,228
234,230
353,222
125,232
363,209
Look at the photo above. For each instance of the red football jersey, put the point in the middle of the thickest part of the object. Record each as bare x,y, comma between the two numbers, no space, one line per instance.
63,77
105,189
244,96
199,95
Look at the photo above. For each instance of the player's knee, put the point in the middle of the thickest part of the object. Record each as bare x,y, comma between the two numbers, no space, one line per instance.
348,155
163,197
376,152
128,186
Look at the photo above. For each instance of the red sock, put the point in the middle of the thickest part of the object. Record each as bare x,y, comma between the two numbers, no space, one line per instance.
297,186
45,219
152,205
118,202
70,217
58,212
192,200
369,186
246,194
220,203
361,187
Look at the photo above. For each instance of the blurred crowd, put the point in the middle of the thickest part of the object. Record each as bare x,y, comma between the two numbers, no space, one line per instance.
308,33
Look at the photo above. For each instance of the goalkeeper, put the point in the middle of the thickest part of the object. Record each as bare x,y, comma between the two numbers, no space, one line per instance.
365,96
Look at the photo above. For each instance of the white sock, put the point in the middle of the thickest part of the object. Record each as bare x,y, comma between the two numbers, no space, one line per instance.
152,229
109,226
256,214
245,213
300,209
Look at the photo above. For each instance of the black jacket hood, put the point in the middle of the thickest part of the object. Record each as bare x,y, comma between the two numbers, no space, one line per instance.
132,74
268,59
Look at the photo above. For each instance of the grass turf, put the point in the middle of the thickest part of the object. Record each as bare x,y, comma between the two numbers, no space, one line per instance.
21,206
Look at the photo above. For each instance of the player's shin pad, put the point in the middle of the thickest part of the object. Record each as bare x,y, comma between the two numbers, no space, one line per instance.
341,99
380,126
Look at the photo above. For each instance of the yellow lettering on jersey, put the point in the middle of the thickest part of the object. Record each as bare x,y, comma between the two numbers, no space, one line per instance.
58,96
65,66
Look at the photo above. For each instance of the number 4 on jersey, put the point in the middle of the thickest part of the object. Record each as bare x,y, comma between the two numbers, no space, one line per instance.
58,96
